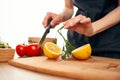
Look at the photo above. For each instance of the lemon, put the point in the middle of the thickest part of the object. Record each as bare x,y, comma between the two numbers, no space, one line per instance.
52,50
82,52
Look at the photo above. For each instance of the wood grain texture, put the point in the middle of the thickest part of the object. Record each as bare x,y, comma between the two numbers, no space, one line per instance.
95,68
8,72
37,39
6,54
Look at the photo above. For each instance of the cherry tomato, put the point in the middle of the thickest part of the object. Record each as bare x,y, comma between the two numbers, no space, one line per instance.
33,50
21,50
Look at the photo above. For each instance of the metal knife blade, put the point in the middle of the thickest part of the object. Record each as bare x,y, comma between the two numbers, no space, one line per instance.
44,35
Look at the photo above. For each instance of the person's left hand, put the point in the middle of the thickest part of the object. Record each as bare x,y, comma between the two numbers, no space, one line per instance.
81,24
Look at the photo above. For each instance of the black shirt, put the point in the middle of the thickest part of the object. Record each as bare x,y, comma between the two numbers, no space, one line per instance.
106,43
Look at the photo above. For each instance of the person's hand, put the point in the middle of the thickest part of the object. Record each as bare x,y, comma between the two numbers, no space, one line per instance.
81,24
56,19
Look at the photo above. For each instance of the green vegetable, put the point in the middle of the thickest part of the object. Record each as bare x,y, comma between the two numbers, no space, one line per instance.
4,45
67,48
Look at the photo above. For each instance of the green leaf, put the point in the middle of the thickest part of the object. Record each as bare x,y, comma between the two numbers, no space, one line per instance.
68,47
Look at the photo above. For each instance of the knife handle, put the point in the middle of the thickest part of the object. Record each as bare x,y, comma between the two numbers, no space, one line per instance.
49,26
49,20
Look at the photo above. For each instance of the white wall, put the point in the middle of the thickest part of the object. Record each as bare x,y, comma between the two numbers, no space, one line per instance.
20,19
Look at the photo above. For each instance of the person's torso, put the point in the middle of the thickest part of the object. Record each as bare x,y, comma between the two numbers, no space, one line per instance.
95,9
108,40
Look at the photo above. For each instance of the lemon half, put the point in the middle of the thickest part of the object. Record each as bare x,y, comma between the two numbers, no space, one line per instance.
52,50
82,52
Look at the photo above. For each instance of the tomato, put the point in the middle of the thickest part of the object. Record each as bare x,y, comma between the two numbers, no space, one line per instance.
33,50
21,50
28,50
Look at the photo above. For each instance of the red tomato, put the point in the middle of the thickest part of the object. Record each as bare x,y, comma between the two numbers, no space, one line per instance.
33,50
21,50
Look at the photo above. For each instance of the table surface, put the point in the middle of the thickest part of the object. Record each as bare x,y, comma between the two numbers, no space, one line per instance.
8,72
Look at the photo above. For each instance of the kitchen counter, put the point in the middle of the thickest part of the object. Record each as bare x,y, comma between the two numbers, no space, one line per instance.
97,64
8,72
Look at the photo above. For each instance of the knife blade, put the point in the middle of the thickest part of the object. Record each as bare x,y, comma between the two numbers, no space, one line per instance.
45,34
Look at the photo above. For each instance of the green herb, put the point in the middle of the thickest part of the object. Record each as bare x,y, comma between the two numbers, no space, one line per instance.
4,45
68,47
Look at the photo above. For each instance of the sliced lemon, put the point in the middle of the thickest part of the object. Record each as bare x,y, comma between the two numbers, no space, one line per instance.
52,50
82,52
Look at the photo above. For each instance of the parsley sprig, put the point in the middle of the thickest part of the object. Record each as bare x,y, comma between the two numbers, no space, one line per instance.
68,47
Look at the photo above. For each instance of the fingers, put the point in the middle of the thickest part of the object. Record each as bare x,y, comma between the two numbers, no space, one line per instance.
46,18
56,19
75,21
67,24
85,20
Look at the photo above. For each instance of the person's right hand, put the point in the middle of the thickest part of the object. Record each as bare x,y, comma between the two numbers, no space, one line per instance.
56,19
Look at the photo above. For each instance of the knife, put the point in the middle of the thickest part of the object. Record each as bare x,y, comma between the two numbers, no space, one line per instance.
45,34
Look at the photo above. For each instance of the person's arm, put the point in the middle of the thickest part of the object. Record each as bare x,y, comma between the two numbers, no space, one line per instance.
58,18
83,24
107,21
68,10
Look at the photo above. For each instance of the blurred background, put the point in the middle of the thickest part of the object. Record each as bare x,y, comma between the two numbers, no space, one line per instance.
20,19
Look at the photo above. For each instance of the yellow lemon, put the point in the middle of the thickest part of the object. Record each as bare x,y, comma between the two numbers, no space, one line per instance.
82,52
51,50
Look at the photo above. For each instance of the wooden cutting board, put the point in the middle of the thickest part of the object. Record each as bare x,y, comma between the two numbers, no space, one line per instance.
95,68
